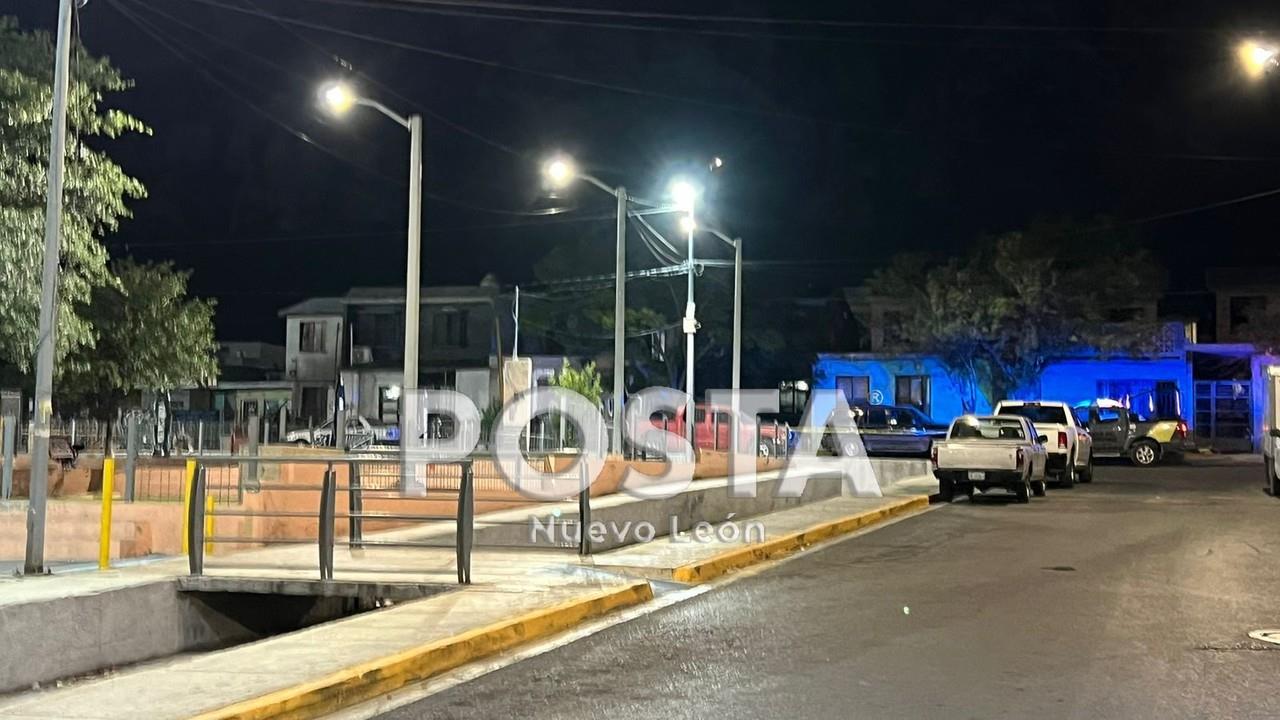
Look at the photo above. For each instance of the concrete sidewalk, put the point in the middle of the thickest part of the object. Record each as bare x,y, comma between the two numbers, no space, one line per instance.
517,596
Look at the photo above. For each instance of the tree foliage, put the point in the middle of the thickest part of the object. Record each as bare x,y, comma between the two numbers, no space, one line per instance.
149,336
997,315
585,381
95,193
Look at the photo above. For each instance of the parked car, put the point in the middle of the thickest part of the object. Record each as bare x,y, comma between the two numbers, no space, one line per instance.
890,430
359,431
1119,431
1070,446
982,453
711,431
1270,431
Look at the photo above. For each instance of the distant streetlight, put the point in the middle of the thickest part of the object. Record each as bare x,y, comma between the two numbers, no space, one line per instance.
1257,58
685,196
340,98
560,172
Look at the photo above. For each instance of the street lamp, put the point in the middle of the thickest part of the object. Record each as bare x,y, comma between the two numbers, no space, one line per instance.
1257,58
560,172
340,98
685,196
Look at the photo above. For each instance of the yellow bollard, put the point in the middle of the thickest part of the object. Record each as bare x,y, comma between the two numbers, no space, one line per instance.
208,524
104,533
187,481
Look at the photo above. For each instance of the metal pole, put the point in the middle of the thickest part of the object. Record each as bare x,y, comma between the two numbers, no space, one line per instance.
130,456
736,374
619,320
413,273
10,439
690,327
33,564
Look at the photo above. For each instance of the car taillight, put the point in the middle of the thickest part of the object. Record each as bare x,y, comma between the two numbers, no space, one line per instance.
1021,457
1062,441
1181,430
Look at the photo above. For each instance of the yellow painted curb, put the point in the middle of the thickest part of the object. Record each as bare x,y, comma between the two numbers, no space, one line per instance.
369,680
711,568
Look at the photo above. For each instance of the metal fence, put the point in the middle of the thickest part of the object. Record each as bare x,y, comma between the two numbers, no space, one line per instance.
347,487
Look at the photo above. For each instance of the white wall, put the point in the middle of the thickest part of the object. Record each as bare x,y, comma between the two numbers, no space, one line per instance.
312,367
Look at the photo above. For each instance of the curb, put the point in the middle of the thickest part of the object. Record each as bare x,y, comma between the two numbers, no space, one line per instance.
711,568
369,680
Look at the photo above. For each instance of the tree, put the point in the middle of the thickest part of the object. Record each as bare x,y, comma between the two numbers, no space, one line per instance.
996,316
585,382
96,189
148,336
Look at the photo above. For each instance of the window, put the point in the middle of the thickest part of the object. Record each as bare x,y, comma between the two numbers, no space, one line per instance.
876,418
1244,308
1037,413
856,388
988,429
912,390
311,336
450,328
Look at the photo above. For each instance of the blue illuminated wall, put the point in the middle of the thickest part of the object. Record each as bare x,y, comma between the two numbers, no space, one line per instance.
1069,381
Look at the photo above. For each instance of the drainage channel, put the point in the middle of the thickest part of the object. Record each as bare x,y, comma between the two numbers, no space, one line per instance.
94,634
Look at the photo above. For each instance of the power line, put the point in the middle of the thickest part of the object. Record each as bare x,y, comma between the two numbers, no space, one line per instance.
155,33
812,22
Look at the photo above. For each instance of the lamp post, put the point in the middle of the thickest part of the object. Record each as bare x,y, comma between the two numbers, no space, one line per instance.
685,195
33,561
340,98
560,172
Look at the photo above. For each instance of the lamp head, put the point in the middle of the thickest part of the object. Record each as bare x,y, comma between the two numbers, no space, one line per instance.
338,97
1257,58
688,225
559,171
685,194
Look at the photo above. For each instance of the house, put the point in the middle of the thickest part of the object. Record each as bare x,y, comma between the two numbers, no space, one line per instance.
355,342
1242,296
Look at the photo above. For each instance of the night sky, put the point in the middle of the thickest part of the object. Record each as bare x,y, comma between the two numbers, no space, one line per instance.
904,125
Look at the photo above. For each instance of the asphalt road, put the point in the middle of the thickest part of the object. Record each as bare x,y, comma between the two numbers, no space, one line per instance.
1128,598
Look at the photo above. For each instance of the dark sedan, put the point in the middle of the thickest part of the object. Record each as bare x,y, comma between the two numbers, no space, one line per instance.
892,430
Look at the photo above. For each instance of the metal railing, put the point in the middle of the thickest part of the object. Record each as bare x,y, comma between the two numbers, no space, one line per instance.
369,478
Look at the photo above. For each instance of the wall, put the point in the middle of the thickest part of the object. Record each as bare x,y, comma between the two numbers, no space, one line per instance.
1074,381
312,367
945,397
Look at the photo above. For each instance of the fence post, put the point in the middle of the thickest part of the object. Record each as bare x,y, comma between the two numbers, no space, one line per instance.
188,477
464,524
584,510
10,439
327,498
130,456
284,425
200,437
355,507
73,432
195,522
104,533
250,469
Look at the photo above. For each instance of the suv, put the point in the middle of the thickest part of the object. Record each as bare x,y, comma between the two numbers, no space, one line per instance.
1118,431
1070,445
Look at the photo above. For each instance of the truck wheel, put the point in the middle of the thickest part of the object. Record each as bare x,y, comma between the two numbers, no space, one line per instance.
946,490
1024,492
1068,477
1086,475
1144,453
1039,488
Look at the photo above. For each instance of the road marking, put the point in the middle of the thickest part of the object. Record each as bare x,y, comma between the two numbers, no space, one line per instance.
664,598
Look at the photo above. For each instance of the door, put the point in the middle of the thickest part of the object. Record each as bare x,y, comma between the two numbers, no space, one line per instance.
1109,428
1224,415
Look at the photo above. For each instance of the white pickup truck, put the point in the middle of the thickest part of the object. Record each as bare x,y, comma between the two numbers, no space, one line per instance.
1070,446
981,453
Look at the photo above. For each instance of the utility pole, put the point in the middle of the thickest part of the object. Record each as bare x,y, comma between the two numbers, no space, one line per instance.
619,320
45,339
413,272
690,328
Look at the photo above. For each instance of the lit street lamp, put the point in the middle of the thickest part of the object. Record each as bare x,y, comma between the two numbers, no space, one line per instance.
339,98
1257,58
559,173
685,195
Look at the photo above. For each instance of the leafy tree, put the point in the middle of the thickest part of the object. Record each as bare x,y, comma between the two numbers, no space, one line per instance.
149,336
95,192
585,382
996,316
